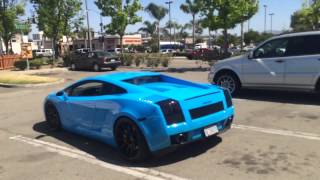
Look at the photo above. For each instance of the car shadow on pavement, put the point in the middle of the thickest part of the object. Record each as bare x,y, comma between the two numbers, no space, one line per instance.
109,154
303,98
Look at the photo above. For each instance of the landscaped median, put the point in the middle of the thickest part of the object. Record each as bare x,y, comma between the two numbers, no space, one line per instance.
12,79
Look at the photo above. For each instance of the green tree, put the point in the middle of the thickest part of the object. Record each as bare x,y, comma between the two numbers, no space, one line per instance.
55,18
251,37
192,7
10,11
226,14
158,13
122,13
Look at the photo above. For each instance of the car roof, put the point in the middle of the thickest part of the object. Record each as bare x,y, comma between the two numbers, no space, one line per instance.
299,34
120,76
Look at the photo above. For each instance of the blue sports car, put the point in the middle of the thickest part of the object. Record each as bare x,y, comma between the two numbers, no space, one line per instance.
140,112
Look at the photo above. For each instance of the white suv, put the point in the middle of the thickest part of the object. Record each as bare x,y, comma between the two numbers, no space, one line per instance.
290,62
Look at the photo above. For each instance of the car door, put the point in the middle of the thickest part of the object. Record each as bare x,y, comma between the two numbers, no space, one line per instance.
267,64
107,109
80,102
303,66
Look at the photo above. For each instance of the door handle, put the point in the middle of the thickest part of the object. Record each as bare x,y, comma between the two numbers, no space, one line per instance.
279,61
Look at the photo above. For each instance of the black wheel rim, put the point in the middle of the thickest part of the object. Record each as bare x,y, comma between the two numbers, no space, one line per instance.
53,117
127,139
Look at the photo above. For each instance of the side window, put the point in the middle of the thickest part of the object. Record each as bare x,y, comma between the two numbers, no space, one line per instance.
110,89
87,89
273,48
304,45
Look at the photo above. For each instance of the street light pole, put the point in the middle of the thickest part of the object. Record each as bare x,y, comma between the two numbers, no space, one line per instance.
271,14
265,18
88,25
169,4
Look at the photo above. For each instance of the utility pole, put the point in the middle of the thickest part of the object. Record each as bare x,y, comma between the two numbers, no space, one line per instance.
169,4
265,18
271,14
88,25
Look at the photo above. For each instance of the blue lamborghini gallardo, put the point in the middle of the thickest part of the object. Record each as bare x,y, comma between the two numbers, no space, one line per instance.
140,112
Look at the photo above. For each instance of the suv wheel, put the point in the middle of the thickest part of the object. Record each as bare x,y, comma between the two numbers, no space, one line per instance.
228,81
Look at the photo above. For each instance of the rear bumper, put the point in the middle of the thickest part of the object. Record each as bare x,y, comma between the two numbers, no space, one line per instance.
184,138
183,133
211,77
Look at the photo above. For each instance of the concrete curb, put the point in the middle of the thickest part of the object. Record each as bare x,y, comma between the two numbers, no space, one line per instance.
31,85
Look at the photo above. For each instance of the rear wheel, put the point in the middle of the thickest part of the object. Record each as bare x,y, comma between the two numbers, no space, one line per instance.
130,140
52,117
228,81
96,67
73,67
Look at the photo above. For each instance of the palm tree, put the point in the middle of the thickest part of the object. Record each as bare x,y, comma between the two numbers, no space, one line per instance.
149,28
183,33
157,12
193,8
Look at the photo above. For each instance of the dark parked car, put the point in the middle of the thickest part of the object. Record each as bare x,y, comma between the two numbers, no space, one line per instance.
95,60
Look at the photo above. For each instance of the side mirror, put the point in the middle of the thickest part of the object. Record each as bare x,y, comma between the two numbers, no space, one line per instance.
60,93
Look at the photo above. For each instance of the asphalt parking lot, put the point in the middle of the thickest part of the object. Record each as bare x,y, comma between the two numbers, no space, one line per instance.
276,136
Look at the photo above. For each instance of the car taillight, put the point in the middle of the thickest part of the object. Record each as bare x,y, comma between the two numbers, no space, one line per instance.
172,111
228,97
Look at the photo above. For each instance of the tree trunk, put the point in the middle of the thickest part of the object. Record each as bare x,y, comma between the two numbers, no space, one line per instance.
226,43
55,48
193,30
159,48
210,44
242,37
121,44
6,44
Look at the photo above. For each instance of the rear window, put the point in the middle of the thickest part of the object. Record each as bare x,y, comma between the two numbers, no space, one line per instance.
144,80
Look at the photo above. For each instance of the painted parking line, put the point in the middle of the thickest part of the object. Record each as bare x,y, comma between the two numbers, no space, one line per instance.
141,173
296,134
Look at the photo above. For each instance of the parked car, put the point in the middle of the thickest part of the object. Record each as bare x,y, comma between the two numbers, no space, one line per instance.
205,54
43,53
140,112
94,60
83,50
290,62
167,51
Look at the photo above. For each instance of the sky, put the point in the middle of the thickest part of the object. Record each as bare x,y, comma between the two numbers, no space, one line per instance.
282,10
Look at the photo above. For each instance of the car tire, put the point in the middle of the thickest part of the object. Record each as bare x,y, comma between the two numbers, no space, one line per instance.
73,67
113,68
228,81
130,140
96,67
52,117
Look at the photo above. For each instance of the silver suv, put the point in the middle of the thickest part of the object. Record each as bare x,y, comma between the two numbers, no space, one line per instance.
290,62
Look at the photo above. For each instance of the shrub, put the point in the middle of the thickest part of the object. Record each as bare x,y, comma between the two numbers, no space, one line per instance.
34,64
126,59
165,61
67,60
21,65
138,60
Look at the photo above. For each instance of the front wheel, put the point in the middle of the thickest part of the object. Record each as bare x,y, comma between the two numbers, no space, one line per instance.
228,81
52,117
130,140
73,67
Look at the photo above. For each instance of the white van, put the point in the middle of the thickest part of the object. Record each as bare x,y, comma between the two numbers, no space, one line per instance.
44,52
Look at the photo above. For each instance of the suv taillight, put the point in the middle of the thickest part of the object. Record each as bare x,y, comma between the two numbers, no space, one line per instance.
172,111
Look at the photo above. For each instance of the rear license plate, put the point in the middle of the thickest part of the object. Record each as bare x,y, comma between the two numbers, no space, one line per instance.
211,131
